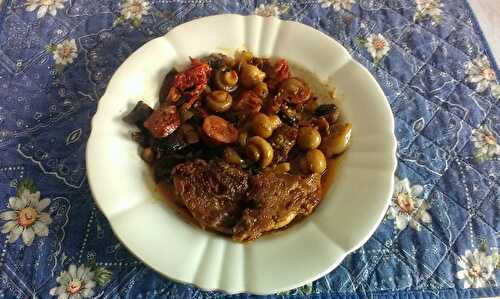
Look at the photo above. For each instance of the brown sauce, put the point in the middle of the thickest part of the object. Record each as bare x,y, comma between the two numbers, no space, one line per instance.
329,176
167,192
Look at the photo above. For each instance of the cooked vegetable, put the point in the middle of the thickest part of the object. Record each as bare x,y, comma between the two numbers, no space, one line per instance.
168,82
248,104
148,155
275,121
189,84
163,121
337,141
173,143
243,143
189,134
226,79
242,138
277,73
250,75
323,125
218,60
142,138
309,138
325,109
220,130
243,56
289,116
139,114
231,156
295,91
263,125
332,117
261,90
185,115
259,150
219,101
313,162
279,168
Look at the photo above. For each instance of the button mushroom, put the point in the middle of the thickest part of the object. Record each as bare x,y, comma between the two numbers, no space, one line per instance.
308,138
313,162
261,90
337,141
219,101
259,150
226,79
231,156
250,75
263,125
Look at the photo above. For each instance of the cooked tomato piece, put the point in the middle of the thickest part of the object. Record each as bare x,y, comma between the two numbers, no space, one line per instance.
163,121
191,82
219,129
248,104
295,91
282,70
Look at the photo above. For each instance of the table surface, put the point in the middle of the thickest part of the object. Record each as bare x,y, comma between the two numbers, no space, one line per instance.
438,239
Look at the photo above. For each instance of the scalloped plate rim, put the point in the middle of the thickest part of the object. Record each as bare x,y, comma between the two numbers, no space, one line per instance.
92,143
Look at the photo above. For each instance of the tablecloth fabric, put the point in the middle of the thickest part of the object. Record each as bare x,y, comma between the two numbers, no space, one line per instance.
439,238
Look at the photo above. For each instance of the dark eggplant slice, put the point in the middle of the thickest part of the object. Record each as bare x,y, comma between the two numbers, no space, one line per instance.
163,167
167,84
139,114
325,109
173,143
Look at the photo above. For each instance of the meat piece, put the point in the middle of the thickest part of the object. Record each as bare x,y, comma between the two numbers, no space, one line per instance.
214,192
163,121
219,130
277,199
282,141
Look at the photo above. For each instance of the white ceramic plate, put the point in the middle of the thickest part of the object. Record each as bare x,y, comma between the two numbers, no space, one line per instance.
124,189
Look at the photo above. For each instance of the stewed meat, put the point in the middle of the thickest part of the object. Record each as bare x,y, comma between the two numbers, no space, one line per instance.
275,200
213,192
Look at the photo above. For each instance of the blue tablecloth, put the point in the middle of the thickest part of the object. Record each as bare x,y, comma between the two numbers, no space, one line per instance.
439,238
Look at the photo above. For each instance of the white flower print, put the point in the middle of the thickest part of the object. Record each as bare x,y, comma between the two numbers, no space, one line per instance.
338,4
480,72
65,52
26,218
495,91
270,10
428,8
377,46
44,6
75,283
477,268
485,143
406,206
134,9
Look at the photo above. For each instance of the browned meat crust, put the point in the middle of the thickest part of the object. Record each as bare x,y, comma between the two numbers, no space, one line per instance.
283,140
275,200
213,192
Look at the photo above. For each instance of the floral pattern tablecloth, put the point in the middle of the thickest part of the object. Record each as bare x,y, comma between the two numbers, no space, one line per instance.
440,235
